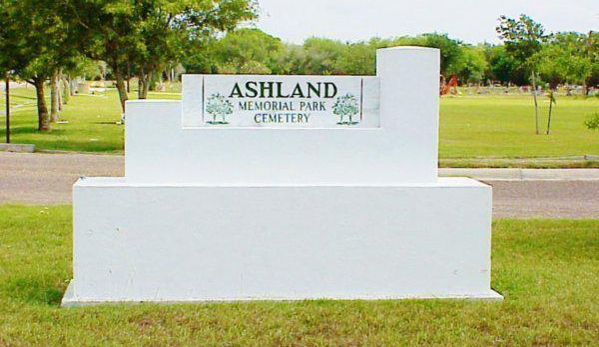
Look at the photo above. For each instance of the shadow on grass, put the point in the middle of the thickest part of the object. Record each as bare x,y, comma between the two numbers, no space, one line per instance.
17,96
25,130
34,291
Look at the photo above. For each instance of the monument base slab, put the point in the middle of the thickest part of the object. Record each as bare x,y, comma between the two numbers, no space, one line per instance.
192,243
70,300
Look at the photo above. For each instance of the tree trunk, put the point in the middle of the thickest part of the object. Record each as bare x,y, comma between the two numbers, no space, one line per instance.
144,84
54,98
120,86
71,89
551,101
153,81
128,77
7,96
60,90
43,118
140,86
549,120
59,96
66,89
534,95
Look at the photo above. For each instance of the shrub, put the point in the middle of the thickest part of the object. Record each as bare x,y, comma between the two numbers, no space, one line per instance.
592,122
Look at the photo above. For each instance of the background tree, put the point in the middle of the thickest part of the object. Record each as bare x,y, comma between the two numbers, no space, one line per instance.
566,59
523,39
504,68
473,65
109,32
321,56
359,58
248,51
291,61
151,34
451,53
43,43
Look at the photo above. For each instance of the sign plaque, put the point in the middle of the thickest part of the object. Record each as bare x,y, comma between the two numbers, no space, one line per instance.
281,101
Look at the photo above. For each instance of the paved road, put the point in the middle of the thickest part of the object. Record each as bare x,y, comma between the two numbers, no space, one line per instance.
47,179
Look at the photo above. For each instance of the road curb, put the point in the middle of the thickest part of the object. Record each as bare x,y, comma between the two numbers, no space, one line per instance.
514,174
488,174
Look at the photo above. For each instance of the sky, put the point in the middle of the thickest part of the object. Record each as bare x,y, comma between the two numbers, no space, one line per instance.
469,20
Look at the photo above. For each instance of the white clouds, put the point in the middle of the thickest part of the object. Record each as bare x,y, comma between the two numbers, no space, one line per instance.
470,20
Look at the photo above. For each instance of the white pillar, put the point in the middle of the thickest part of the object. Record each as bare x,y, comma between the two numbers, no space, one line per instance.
409,87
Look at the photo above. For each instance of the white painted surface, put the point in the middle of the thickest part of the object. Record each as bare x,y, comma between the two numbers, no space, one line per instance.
172,243
208,214
403,149
279,101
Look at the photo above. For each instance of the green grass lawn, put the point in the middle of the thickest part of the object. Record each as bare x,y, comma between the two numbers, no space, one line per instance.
547,271
503,126
92,122
471,126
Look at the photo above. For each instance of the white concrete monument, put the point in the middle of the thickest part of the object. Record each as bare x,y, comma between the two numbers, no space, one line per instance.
285,188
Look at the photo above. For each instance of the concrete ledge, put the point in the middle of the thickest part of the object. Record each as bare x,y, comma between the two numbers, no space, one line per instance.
17,148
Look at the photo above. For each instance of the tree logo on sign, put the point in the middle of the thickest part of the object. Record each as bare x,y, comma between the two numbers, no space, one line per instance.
346,106
218,106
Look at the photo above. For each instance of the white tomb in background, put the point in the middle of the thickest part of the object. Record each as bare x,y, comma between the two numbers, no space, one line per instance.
277,208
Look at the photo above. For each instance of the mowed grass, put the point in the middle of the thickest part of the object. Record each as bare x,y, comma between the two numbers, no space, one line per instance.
504,126
92,122
547,271
471,126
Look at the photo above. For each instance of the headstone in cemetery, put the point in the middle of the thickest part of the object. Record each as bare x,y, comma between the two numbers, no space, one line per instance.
83,88
285,188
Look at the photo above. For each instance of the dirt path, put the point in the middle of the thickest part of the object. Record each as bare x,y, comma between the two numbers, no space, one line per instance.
47,179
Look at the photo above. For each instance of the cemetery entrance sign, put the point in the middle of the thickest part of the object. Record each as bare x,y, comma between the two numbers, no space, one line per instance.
285,188
281,101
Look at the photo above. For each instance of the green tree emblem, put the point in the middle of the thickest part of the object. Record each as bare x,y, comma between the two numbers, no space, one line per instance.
346,106
218,106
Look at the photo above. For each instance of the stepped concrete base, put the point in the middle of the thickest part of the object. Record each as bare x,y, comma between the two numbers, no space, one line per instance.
191,243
